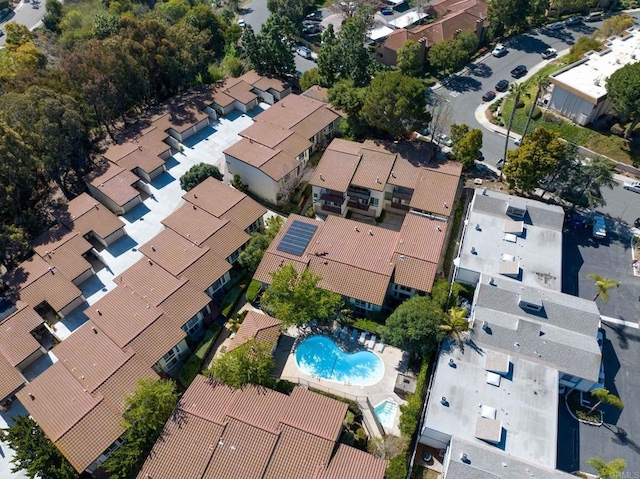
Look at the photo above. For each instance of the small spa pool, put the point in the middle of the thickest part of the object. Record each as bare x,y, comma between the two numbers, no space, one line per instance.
386,413
319,356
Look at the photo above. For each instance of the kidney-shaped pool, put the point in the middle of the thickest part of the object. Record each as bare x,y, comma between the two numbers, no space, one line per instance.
319,356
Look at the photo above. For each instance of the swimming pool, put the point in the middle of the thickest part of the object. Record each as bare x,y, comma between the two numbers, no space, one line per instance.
386,412
321,357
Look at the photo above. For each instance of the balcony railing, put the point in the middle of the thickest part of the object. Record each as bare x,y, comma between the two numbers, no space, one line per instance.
331,209
365,195
358,206
332,198
400,206
404,195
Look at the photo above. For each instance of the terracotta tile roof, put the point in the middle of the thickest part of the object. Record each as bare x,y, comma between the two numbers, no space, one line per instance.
184,110
85,214
335,170
10,378
260,407
396,39
266,134
251,152
90,356
65,254
435,192
185,303
141,158
117,184
299,454
16,341
119,150
206,271
172,251
290,111
315,414
90,436
272,262
236,455
317,93
221,98
316,122
214,197
345,146
351,463
195,438
122,314
251,77
227,239
350,281
153,140
156,340
414,273
150,281
269,83
245,212
241,91
260,327
421,238
27,272
279,166
374,169
294,145
193,223
56,400
122,382
403,174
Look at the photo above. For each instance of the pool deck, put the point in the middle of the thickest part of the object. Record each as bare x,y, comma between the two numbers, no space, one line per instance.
394,360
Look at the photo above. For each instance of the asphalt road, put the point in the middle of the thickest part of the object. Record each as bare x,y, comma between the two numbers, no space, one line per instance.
25,14
622,205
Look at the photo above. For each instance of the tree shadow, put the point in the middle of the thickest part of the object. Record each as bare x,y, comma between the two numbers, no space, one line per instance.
572,263
528,44
463,84
481,70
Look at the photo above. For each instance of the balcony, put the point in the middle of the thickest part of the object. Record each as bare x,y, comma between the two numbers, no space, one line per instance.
399,206
358,206
333,198
360,193
331,209
402,193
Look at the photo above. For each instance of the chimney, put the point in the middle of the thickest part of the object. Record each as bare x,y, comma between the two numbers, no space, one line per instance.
446,205
150,262
438,228
153,248
99,312
195,196
485,325
443,400
377,179
321,178
370,233
357,230
194,207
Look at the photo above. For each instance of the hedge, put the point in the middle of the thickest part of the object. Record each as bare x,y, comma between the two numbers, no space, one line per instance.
233,295
194,364
253,290
397,467
410,412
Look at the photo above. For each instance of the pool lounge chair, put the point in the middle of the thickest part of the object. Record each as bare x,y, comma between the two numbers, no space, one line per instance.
363,337
352,339
336,331
345,333
380,347
372,342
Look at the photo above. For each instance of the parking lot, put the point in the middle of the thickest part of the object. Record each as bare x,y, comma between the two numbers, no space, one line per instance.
619,436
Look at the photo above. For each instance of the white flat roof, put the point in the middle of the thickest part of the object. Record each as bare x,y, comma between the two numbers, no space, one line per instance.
407,19
525,403
380,32
589,76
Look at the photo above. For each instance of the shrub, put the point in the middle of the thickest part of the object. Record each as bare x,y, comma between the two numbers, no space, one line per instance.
233,295
537,114
194,364
310,213
197,174
253,290
410,412
382,216
397,468
367,325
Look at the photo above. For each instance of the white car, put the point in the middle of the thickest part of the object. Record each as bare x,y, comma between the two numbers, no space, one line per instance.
304,52
499,50
444,139
241,23
549,52
632,186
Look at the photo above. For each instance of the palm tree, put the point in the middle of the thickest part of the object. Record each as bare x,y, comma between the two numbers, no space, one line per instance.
541,82
455,323
516,90
603,285
604,396
608,470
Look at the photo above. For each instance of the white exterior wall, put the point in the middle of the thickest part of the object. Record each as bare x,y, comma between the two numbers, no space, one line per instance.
88,273
258,183
181,353
572,106
377,195
467,276
265,96
433,438
112,238
71,306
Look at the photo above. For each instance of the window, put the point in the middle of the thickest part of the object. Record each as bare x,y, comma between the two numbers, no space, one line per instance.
234,256
517,212
194,324
373,201
399,287
301,156
361,304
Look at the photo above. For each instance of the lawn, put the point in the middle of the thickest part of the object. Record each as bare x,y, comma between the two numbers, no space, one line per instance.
606,144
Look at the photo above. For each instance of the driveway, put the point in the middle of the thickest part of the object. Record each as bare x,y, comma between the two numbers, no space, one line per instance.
29,14
620,435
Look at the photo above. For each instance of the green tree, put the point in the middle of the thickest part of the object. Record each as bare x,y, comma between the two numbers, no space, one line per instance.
53,15
34,452
603,285
466,149
448,55
297,299
329,58
203,18
349,98
537,158
309,79
509,16
585,181
623,91
171,11
515,89
608,470
271,50
14,245
251,256
458,131
582,46
468,41
197,174
105,25
615,25
395,103
17,35
409,58
250,363
291,9
541,82
605,397
147,411
355,61
414,326
455,323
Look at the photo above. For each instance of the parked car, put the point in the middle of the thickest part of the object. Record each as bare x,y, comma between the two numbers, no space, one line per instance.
573,21
499,50
517,141
241,23
304,52
311,28
594,17
577,221
599,227
386,11
314,16
636,223
519,71
502,85
549,52
444,139
490,95
555,26
500,163
632,186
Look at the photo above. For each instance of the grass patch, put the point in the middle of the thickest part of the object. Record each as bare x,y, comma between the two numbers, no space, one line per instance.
367,325
314,159
193,366
605,144
237,288
253,290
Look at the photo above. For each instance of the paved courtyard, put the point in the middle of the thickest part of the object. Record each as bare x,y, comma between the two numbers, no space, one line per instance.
619,437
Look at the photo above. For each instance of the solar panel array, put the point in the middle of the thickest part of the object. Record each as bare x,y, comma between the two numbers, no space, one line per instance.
297,238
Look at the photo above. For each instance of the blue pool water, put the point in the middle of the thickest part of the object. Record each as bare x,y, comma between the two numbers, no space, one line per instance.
321,357
386,413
